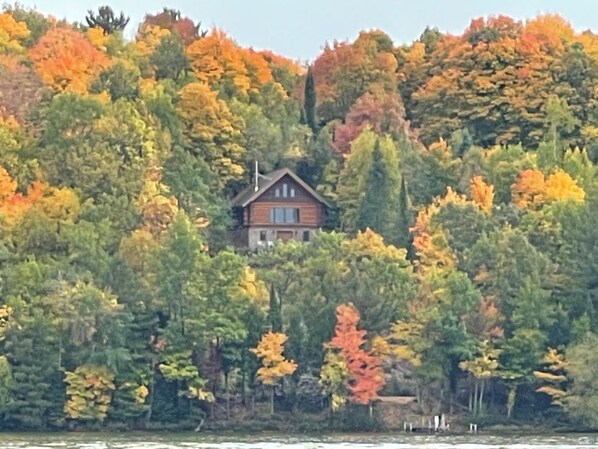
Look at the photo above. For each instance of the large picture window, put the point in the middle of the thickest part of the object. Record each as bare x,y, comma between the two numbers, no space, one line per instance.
282,215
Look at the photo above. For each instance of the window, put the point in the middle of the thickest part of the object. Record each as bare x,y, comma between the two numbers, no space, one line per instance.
277,193
291,215
284,190
292,192
277,215
284,215
262,236
306,236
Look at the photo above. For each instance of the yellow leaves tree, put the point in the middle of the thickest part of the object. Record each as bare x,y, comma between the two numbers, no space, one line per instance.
8,186
97,37
553,377
11,34
429,241
368,243
89,390
334,376
531,189
65,60
148,38
157,207
482,194
219,62
212,131
561,187
274,365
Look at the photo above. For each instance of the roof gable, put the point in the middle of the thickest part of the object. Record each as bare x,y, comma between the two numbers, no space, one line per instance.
249,194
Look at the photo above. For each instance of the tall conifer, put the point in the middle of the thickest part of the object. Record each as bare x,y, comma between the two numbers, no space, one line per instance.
404,218
373,209
309,105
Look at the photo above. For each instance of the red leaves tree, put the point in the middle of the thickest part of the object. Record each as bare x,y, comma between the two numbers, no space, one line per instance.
383,113
365,374
344,72
172,21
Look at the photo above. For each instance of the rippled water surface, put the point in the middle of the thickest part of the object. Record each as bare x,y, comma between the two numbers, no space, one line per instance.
266,441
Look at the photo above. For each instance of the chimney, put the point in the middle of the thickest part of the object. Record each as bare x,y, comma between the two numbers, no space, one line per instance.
256,175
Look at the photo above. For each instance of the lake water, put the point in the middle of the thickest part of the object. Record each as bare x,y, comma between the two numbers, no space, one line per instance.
277,441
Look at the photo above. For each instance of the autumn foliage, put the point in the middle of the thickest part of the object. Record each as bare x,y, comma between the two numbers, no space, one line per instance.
458,179
532,190
11,34
482,194
65,60
218,61
274,365
365,376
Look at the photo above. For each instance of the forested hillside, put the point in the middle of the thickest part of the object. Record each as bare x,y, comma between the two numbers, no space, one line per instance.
460,263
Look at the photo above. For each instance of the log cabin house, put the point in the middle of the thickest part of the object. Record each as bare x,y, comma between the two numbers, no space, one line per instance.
279,206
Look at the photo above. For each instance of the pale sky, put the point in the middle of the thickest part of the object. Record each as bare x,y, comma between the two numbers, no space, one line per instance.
299,28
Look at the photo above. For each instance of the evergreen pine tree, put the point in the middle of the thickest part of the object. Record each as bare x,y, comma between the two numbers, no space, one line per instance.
309,105
373,211
404,218
106,20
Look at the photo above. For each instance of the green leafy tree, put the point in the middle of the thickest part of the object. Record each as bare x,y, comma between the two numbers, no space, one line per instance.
169,59
121,80
581,401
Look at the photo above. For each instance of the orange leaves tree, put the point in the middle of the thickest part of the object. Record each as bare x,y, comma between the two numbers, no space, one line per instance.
495,78
344,72
65,60
274,365
532,190
482,194
218,61
364,377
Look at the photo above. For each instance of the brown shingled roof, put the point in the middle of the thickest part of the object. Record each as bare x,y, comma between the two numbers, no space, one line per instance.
249,194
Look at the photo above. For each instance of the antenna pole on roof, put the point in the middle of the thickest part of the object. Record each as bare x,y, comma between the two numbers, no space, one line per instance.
257,185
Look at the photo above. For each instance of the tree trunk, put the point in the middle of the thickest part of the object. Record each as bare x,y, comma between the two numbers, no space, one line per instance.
470,404
480,407
227,395
511,400
244,387
152,390
272,401
475,399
